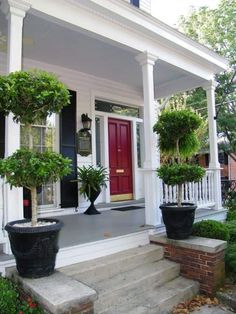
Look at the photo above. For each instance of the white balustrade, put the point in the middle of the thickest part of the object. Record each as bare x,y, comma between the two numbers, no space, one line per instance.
200,193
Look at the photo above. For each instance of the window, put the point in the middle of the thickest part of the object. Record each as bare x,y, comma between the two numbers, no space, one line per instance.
117,109
139,142
135,2
43,140
98,141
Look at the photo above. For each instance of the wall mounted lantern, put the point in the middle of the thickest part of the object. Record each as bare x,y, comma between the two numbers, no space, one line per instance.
86,121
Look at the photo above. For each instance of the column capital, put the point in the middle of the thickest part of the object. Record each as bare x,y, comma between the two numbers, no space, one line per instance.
210,85
146,58
16,7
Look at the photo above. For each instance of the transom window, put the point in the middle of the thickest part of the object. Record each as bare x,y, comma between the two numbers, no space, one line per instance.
117,109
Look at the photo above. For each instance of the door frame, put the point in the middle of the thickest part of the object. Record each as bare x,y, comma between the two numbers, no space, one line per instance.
98,95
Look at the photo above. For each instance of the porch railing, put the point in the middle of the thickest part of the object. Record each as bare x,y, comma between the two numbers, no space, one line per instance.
200,193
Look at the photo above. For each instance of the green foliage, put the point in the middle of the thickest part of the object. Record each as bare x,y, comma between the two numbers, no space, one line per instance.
230,204
231,226
230,260
27,168
211,229
30,306
176,174
32,95
216,28
91,177
177,132
9,297
11,302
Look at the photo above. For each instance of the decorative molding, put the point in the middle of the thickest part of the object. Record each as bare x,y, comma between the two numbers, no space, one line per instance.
145,58
210,85
16,7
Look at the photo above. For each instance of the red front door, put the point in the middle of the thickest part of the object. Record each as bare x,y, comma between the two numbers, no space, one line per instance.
120,159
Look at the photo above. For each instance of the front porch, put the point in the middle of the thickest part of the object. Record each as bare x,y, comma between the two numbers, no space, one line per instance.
137,62
87,237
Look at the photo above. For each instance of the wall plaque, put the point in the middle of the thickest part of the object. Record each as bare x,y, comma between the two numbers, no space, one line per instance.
84,143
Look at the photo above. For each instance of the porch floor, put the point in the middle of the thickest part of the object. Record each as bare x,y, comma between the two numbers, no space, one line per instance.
80,228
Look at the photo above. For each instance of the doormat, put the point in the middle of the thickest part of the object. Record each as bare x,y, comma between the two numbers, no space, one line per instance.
124,209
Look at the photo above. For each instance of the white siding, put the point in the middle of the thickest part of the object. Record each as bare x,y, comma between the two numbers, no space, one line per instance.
145,5
87,88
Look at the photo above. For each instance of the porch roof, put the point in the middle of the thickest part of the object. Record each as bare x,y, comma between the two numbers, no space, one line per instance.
102,38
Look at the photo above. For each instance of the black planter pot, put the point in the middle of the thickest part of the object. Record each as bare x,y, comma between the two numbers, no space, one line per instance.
93,196
178,220
34,248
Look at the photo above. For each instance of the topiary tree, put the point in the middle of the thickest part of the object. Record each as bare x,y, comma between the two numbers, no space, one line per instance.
32,96
178,142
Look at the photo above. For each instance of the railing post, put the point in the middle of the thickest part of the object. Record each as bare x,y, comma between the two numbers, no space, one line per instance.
214,164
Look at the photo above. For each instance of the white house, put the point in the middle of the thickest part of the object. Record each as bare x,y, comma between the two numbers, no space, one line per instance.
117,60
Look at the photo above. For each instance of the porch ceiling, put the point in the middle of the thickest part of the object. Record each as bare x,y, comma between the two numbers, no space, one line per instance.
76,49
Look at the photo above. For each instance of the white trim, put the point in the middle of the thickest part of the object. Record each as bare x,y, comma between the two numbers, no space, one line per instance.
84,252
118,21
98,95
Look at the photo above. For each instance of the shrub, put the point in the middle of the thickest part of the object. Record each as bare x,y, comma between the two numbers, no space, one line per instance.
9,297
211,229
230,260
11,303
230,204
231,226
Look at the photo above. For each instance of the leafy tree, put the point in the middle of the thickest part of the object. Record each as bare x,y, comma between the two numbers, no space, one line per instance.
216,29
178,141
32,96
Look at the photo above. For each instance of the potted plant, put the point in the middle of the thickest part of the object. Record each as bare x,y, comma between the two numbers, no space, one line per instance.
178,142
92,180
31,96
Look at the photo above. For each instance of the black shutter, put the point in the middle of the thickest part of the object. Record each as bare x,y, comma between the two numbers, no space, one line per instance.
2,135
135,3
69,190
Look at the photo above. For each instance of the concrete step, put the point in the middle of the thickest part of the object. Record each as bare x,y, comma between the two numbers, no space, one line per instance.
156,300
106,267
126,285
136,281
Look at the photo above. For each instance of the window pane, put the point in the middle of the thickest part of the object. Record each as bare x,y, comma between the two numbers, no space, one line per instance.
98,141
139,135
43,140
115,108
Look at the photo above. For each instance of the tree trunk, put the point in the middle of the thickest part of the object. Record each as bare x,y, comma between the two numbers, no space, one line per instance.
33,191
179,197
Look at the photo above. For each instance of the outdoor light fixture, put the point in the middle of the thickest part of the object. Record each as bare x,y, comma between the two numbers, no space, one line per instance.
86,121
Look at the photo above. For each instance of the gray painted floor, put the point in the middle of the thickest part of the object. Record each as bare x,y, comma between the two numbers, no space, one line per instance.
80,228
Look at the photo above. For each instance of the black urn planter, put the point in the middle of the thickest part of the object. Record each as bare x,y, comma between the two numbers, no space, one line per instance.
91,210
178,220
34,248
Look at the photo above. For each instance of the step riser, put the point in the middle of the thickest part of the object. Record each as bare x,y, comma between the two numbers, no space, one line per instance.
136,287
104,272
165,307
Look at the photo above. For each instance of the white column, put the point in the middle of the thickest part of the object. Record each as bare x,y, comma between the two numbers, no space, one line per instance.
14,11
152,160
214,161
